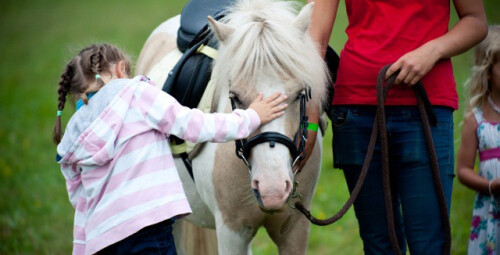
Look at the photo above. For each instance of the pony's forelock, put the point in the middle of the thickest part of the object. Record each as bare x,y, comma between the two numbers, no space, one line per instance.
266,42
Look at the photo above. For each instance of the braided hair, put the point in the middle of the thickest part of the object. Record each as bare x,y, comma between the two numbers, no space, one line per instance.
62,91
83,70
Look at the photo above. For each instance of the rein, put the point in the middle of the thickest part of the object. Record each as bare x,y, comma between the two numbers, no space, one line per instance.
379,129
296,147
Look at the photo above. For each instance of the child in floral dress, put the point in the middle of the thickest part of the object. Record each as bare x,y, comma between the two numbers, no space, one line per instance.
481,133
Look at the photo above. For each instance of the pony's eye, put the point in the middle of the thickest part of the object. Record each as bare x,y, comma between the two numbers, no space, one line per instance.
299,95
234,97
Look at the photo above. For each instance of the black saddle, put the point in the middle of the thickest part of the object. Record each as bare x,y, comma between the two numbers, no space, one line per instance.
194,19
188,79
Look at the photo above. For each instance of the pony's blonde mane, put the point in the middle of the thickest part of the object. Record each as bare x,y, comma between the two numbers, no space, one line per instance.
266,42
477,85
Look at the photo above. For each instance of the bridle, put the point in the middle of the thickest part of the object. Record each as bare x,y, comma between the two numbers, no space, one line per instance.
296,147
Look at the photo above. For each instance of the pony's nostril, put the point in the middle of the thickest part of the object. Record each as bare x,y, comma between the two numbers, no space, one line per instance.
288,187
255,185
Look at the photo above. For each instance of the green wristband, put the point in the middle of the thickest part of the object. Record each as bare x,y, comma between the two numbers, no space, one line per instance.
312,126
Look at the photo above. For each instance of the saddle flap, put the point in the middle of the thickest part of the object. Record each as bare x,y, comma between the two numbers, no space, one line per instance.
187,81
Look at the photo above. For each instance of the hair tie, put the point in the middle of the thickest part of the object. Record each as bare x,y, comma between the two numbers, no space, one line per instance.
97,76
59,113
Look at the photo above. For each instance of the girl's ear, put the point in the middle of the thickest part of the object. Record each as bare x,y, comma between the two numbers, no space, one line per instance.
121,70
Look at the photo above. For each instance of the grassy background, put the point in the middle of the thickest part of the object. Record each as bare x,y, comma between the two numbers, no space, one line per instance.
38,38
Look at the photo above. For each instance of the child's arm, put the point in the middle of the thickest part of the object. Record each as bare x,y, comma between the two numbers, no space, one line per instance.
467,157
165,114
73,182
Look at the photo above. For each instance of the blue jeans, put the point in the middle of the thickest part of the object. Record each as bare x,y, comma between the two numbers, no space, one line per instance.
154,239
416,208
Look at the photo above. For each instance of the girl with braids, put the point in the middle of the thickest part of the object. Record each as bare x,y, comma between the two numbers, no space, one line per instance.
481,135
114,154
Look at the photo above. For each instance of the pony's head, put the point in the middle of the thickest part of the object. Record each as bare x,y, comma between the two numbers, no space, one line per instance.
264,46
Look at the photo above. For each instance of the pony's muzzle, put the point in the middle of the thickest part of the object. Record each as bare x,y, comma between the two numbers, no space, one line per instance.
270,195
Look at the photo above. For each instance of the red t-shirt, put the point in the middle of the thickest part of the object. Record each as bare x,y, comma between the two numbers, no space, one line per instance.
381,31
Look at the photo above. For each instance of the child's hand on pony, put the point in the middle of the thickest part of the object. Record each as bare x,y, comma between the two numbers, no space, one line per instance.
270,107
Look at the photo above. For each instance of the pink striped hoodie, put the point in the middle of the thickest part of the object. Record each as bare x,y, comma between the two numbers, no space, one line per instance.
118,167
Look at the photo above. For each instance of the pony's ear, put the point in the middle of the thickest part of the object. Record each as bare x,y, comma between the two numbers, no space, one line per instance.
222,31
303,20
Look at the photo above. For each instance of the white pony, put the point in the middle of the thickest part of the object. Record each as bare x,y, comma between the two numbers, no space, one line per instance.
264,46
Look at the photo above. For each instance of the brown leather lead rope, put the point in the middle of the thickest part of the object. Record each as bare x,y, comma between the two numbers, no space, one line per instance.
379,128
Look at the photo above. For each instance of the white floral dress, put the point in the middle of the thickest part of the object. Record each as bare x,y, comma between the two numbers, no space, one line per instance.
485,229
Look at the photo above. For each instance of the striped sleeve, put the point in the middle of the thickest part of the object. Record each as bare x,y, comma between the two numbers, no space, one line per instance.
73,182
164,113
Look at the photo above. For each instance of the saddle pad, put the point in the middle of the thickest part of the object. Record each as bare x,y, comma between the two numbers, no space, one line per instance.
159,72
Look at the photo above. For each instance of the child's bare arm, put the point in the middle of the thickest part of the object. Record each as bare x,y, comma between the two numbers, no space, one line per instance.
466,159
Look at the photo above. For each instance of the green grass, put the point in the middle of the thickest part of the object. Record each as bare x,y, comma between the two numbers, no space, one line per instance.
38,38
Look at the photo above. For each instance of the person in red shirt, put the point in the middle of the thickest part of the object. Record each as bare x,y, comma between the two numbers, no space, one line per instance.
414,36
